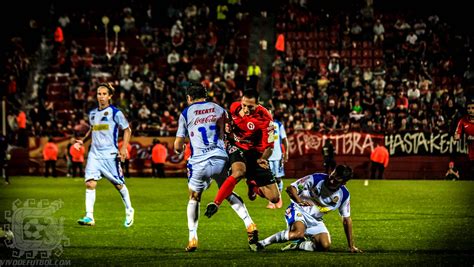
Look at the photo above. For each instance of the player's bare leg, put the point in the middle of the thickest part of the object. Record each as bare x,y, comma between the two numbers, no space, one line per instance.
238,171
270,192
318,242
295,232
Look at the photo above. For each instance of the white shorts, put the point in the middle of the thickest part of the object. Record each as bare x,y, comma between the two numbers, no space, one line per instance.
294,213
199,174
108,168
277,168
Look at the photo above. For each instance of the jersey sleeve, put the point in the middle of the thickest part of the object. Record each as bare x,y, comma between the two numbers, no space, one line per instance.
181,132
459,128
121,120
282,131
267,129
303,183
345,208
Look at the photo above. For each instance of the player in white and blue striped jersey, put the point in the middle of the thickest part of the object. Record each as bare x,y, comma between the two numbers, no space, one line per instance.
104,154
311,198
203,122
279,157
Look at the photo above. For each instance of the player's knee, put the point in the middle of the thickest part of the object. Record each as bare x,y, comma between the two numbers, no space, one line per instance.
324,245
91,184
296,234
274,199
322,242
195,196
238,174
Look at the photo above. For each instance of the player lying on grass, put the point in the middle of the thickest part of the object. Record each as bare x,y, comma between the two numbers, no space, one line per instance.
311,197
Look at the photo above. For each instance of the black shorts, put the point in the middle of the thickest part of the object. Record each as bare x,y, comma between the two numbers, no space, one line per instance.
254,172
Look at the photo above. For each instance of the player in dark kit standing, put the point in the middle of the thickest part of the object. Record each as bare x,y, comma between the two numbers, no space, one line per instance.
250,146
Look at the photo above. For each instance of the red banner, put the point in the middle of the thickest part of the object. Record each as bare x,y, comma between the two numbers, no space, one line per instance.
352,143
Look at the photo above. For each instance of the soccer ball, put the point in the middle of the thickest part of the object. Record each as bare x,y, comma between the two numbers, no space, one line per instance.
32,229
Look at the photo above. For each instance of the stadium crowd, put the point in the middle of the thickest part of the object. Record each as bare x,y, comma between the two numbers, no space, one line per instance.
345,70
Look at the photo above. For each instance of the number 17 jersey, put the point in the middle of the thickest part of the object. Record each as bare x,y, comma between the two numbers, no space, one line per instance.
203,122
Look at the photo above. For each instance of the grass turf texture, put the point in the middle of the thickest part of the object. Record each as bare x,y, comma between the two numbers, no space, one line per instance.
395,222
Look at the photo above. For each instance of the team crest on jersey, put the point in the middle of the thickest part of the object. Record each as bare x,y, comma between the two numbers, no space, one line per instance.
298,214
106,113
250,125
335,199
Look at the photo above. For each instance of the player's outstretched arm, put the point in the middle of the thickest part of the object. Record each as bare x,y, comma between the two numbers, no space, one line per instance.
347,222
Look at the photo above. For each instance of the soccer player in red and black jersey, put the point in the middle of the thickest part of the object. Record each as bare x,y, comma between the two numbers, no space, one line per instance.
250,146
466,126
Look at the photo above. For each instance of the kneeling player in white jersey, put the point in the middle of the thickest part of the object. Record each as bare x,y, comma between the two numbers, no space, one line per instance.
311,197
104,153
204,122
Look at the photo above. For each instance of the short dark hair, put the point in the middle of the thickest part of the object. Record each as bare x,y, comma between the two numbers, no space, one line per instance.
344,171
196,91
109,87
251,93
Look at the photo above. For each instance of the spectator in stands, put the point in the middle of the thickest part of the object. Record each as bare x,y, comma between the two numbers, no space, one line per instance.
129,22
379,31
194,75
144,113
173,57
50,156
356,32
452,173
379,159
253,75
159,154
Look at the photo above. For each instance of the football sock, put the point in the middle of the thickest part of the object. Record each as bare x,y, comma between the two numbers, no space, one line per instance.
239,207
90,200
280,184
193,218
225,190
279,237
125,197
306,245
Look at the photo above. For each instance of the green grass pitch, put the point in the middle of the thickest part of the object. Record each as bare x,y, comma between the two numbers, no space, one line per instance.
395,223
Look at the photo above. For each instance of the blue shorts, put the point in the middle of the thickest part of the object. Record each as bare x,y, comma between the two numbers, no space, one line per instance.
108,168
